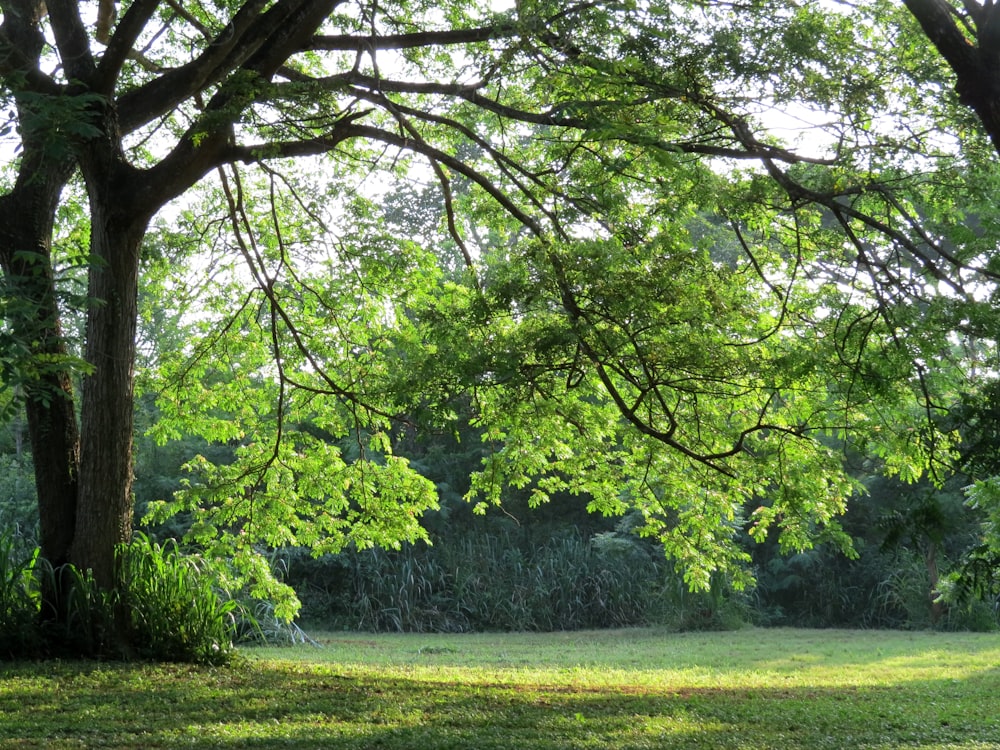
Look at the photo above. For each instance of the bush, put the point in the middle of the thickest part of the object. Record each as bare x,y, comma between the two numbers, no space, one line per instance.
167,608
19,598
175,611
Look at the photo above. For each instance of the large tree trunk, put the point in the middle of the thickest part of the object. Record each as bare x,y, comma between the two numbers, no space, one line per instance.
27,217
104,508
26,224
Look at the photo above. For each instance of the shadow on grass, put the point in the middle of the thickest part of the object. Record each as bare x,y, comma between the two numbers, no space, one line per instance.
267,705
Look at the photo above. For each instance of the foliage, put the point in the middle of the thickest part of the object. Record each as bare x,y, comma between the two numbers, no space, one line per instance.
30,628
176,611
985,496
173,605
18,598
648,288
977,578
910,538
88,628
659,340
18,503
973,587
906,590
611,689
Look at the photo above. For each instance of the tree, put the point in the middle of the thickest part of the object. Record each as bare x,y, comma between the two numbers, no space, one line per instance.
679,358
79,93
596,151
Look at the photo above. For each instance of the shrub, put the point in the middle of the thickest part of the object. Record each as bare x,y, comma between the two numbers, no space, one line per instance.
19,598
175,611
167,607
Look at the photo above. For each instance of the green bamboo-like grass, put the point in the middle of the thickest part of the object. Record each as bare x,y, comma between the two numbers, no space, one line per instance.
617,689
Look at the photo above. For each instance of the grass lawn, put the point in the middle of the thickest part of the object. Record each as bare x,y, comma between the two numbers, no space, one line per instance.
611,690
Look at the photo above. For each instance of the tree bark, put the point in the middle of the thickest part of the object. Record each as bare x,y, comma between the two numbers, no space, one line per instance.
26,225
104,507
27,217
930,559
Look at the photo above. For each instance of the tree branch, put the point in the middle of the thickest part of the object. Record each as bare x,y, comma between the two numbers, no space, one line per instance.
976,67
350,129
467,92
21,44
355,43
121,44
938,23
231,47
750,148
72,40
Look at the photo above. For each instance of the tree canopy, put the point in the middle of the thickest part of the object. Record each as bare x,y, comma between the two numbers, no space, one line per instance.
673,258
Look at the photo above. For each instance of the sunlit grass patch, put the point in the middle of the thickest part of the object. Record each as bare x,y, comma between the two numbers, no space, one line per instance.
616,689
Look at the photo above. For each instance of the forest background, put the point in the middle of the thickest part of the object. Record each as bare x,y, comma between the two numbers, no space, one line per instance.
612,302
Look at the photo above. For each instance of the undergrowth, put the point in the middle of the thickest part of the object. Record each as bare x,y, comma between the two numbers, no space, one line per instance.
493,582
167,607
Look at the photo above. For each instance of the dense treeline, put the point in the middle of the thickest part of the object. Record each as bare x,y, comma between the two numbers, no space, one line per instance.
495,574
556,566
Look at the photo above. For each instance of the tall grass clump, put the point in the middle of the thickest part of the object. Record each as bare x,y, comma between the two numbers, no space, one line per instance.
175,610
49,611
167,607
88,628
498,581
19,597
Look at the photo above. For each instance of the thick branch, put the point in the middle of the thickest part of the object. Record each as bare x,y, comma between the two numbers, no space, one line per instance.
121,44
240,38
938,23
72,39
976,67
21,44
285,29
354,43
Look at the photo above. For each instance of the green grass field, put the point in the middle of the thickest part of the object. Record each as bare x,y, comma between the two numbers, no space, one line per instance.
620,689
